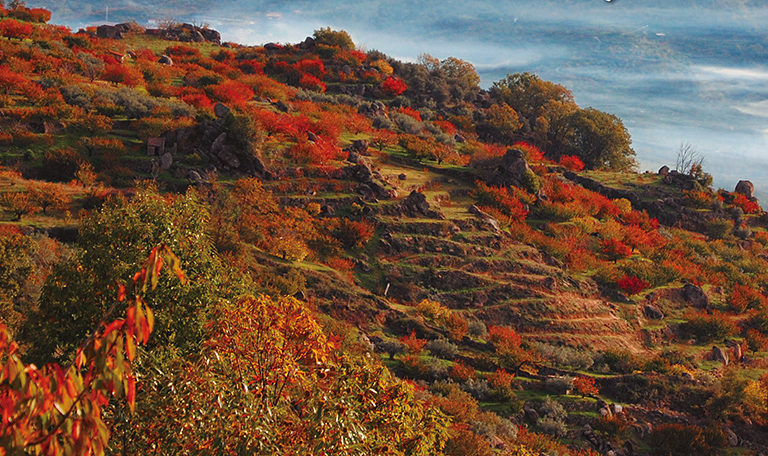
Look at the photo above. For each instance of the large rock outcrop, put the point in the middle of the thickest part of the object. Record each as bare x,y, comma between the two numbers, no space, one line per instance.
746,188
695,296
512,170
209,139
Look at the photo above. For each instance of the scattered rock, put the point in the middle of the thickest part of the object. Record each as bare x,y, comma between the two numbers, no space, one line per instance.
308,43
416,205
210,35
733,439
229,158
402,176
664,170
695,296
166,160
373,109
221,110
195,177
735,349
531,414
652,312
680,180
360,146
186,33
109,32
165,60
746,188
353,157
366,342
494,224
718,354
218,144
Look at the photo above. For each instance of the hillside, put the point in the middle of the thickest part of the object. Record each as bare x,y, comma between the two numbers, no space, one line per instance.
366,256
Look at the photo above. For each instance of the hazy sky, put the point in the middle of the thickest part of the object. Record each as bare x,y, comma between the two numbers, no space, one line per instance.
675,71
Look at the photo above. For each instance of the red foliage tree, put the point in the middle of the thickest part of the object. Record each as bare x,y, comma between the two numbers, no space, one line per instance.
122,74
251,67
40,15
315,67
12,28
10,81
393,86
571,162
232,92
632,285
311,82
353,233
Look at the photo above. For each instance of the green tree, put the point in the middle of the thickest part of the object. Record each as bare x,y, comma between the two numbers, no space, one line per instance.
338,38
112,244
530,96
599,139
501,124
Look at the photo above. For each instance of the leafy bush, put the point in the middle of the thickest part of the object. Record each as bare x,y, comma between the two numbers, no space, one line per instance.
565,357
673,439
706,328
337,38
561,385
478,388
622,362
442,348
477,328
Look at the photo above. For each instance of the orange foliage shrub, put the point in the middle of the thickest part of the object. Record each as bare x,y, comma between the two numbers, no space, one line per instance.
743,297
504,338
585,386
614,249
318,152
461,372
314,67
351,233
446,126
501,199
500,379
456,325
394,86
747,205
410,112
413,344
